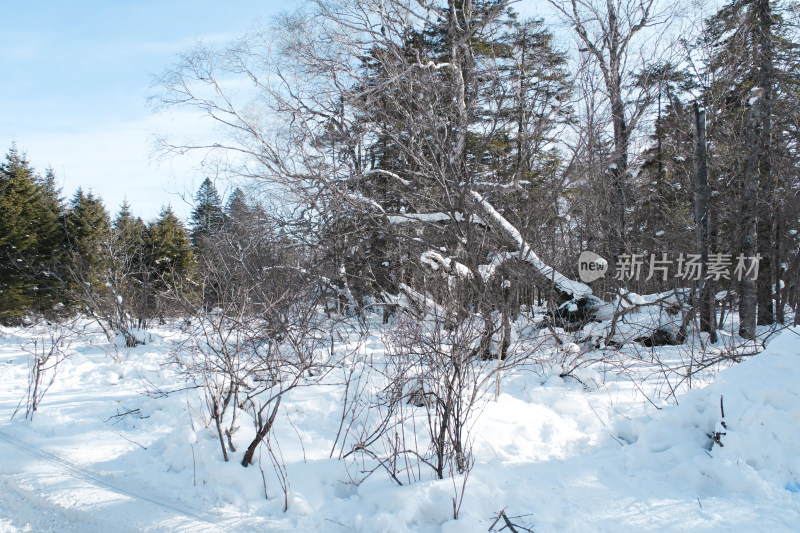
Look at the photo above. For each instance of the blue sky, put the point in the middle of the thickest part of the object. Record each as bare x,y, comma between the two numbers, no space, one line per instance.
75,81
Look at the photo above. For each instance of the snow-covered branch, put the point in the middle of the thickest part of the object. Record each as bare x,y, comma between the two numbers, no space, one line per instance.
387,173
566,286
408,218
436,261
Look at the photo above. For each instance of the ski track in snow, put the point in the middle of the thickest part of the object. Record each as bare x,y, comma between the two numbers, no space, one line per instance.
80,485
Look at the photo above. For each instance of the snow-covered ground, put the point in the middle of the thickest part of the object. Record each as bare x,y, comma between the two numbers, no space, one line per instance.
109,451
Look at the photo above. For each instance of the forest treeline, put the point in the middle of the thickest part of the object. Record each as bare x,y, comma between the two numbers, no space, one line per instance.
428,152
62,256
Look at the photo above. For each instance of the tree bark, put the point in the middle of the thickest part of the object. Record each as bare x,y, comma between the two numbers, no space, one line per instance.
749,245
765,208
706,305
777,261
262,430
619,169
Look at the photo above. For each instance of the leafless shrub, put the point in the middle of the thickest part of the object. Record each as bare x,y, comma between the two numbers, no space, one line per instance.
254,331
415,408
46,351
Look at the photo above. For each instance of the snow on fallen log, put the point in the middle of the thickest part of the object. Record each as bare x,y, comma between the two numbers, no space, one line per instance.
564,285
650,319
379,171
415,301
435,261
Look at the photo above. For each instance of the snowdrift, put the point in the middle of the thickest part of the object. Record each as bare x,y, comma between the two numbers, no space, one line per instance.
757,446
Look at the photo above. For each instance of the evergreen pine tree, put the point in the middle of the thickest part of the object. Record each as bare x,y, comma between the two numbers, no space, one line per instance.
517,83
51,241
207,215
237,205
751,82
128,234
87,224
169,252
662,204
87,227
29,238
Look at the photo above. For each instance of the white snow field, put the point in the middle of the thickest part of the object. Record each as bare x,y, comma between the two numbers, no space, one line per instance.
603,452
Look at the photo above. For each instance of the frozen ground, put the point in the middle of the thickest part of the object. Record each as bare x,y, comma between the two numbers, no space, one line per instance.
599,453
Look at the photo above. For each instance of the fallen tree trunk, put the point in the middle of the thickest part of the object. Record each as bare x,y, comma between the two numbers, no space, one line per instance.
567,288
573,303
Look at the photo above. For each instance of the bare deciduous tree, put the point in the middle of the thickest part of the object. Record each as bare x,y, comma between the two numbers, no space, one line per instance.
612,34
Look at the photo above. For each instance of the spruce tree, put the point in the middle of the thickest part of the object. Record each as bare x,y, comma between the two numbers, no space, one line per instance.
516,83
87,226
87,261
237,206
30,236
128,237
126,225
207,215
662,202
169,254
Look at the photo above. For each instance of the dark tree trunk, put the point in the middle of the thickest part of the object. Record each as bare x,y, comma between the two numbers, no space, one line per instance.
763,30
521,109
796,306
778,268
262,430
619,171
613,80
706,305
749,246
